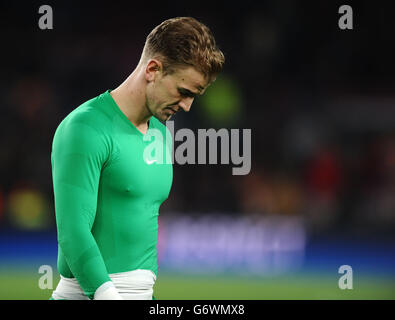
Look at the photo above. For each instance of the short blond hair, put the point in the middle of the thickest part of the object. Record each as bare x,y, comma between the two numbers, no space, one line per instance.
184,41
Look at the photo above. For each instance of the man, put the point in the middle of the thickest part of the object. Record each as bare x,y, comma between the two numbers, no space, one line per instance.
107,196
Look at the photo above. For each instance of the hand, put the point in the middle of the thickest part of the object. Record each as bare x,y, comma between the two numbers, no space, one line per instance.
107,291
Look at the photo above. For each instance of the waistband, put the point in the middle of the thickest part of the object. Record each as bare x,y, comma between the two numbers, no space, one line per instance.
131,285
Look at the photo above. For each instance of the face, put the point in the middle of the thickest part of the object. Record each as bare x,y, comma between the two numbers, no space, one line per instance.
171,93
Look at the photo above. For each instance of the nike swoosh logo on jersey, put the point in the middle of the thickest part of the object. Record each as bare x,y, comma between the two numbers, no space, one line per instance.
150,161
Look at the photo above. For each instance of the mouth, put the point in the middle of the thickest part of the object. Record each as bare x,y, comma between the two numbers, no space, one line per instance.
171,110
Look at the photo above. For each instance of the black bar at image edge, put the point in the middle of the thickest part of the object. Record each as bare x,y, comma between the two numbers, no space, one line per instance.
199,309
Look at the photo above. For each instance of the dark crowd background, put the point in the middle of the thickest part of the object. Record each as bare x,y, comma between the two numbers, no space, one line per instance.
319,100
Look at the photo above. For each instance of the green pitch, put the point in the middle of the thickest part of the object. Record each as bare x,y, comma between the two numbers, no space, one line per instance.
23,285
295,287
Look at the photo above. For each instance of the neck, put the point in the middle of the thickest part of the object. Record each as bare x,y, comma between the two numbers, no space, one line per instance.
130,98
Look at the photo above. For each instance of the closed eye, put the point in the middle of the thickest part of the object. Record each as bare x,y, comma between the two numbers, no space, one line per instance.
187,93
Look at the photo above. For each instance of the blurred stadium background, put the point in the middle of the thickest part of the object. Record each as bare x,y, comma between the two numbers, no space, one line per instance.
321,106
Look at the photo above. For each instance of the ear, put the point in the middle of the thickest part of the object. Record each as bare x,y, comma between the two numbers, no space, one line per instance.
153,69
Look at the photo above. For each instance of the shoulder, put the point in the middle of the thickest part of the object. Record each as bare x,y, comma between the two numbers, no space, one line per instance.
86,125
90,114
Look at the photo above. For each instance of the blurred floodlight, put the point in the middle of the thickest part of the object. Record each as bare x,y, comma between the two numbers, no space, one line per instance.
222,102
28,209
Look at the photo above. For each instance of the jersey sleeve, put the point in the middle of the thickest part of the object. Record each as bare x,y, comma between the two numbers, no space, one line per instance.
78,154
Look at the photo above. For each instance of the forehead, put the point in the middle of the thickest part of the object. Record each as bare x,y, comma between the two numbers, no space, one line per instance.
190,78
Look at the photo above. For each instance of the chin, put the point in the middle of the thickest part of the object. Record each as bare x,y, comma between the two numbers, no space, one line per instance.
162,117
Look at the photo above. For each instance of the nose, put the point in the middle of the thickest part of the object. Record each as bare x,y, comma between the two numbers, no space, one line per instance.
185,104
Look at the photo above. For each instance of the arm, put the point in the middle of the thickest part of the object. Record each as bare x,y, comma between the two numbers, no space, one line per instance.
78,155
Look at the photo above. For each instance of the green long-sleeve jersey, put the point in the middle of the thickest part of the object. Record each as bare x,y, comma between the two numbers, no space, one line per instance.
107,192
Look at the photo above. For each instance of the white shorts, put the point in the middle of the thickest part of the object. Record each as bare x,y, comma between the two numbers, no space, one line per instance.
131,285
